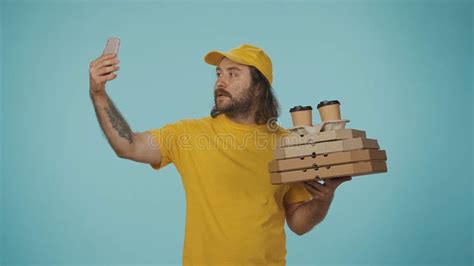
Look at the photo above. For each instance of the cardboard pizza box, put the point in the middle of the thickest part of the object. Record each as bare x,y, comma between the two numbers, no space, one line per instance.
296,139
325,147
325,160
351,169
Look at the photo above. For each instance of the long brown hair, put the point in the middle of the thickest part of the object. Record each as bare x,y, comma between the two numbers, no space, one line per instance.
267,104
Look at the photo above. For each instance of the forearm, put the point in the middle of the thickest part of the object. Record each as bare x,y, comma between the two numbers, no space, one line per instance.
309,214
114,126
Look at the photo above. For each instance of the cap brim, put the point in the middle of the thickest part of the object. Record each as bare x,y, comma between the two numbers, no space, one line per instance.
215,57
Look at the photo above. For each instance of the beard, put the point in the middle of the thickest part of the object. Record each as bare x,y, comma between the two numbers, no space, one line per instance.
234,105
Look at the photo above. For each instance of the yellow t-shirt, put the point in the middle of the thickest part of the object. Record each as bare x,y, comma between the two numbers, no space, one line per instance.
234,215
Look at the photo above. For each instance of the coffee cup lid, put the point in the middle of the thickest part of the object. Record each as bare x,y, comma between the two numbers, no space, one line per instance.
300,108
324,103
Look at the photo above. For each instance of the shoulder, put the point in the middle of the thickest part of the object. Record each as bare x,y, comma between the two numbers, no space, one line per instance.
193,124
196,121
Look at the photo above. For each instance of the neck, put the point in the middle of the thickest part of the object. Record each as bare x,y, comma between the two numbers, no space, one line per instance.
247,118
242,118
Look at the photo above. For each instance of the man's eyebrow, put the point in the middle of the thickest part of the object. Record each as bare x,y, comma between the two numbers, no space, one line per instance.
228,69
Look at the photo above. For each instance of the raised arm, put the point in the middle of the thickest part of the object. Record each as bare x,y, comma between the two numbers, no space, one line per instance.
126,143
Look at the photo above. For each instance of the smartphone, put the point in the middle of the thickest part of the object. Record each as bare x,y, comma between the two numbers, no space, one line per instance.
112,46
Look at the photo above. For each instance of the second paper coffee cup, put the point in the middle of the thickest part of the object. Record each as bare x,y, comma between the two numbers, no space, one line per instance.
329,110
302,116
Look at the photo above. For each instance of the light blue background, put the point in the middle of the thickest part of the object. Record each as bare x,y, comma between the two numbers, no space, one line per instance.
402,70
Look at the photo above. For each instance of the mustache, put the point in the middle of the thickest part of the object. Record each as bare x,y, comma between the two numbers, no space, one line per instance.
221,92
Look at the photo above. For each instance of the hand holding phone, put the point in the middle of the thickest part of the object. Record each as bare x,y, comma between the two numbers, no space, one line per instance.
104,68
112,46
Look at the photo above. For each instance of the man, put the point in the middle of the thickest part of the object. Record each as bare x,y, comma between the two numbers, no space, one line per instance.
234,216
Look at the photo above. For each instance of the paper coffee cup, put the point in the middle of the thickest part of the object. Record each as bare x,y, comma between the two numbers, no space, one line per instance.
329,110
302,116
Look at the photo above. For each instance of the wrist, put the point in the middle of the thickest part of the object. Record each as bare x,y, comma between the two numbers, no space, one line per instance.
96,94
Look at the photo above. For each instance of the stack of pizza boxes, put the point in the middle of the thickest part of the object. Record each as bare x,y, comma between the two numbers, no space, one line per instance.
326,150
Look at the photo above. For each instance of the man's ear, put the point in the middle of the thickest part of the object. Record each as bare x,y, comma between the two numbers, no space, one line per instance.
259,91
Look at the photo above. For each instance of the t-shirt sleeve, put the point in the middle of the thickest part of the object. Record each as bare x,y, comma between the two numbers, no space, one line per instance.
296,192
167,139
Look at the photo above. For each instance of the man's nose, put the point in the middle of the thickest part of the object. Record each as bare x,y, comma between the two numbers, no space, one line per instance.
221,82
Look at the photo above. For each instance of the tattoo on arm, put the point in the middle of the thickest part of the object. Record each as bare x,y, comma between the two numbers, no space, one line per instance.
118,122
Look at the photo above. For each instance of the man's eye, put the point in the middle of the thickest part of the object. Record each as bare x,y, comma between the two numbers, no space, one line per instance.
218,74
232,74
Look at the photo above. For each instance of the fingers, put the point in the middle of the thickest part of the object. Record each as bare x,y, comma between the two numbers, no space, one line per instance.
107,70
104,74
104,64
317,186
324,192
107,62
101,59
108,77
319,191
102,69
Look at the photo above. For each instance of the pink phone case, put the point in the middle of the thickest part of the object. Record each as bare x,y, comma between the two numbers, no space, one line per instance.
113,44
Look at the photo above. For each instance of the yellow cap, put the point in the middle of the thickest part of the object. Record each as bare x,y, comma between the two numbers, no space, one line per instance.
245,54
